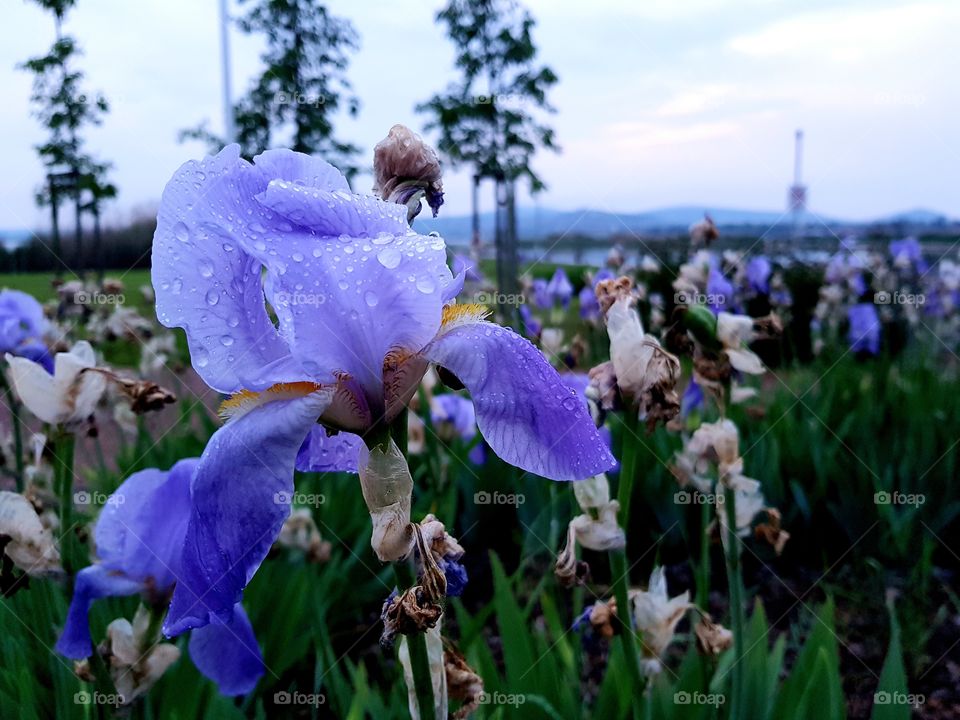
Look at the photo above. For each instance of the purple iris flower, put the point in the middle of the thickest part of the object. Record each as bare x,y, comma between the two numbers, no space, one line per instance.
758,274
604,274
864,332
139,539
467,267
589,307
363,306
458,412
908,252
692,398
579,382
531,326
541,295
22,325
560,288
720,291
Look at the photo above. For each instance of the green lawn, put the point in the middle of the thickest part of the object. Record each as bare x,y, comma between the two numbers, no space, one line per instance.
39,285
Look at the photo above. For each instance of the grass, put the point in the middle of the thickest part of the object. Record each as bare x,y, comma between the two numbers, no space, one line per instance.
40,286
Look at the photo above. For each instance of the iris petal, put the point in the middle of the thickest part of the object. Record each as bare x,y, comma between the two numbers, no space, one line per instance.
524,411
241,497
346,305
322,452
228,654
92,583
206,284
140,530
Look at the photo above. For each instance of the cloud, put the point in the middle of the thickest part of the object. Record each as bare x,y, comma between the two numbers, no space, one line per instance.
842,35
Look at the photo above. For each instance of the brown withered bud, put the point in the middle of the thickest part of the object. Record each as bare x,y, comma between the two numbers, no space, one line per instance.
603,388
712,638
712,367
407,614
603,616
771,531
81,668
660,401
569,571
144,395
463,683
609,291
704,232
768,327
406,170
433,582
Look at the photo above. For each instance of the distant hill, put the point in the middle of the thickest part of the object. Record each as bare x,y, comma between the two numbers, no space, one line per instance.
538,223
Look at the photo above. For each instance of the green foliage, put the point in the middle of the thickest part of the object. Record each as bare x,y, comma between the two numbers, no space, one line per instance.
489,119
303,84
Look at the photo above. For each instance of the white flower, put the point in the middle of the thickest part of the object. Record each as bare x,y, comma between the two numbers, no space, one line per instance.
656,614
136,662
735,332
748,501
645,372
31,546
67,397
597,528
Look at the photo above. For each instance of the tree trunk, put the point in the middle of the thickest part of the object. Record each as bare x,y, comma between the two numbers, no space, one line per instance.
55,228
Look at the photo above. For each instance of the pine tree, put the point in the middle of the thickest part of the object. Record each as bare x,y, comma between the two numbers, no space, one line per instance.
489,120
303,84
65,110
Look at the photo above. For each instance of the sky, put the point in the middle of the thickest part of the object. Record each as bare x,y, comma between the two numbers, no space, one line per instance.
659,103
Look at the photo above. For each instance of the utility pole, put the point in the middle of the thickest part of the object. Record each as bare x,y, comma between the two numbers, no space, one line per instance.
797,197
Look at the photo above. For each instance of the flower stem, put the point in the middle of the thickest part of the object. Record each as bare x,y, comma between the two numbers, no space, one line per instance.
618,558
417,644
14,404
63,447
735,584
703,571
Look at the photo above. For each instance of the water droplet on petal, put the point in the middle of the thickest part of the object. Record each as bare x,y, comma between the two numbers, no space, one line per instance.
389,257
181,232
426,285
371,298
213,297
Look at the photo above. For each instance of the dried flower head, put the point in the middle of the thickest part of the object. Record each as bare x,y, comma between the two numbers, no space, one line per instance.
406,170
712,638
